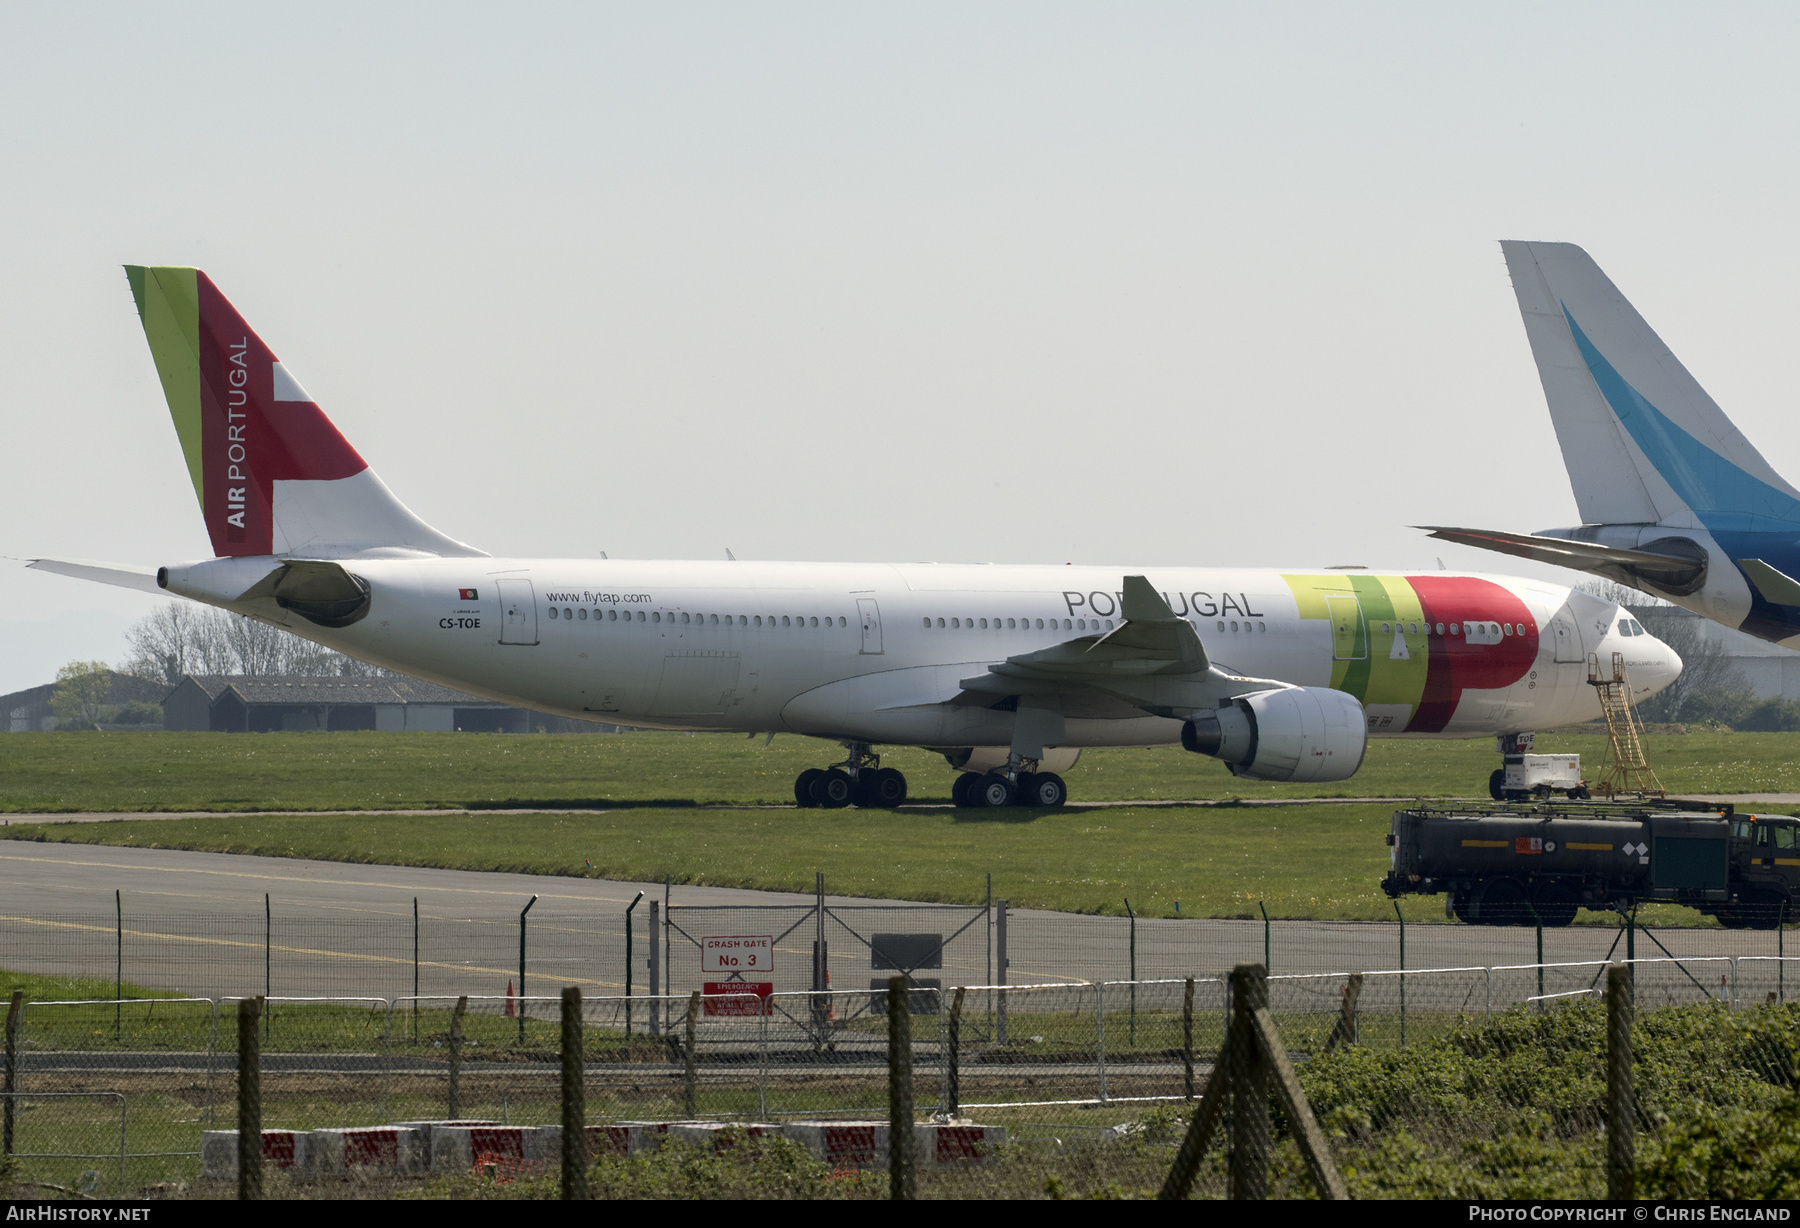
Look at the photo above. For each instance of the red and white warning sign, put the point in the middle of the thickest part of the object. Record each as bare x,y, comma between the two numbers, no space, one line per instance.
733,998
730,953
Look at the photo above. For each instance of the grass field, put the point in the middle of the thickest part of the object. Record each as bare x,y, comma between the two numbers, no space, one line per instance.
364,771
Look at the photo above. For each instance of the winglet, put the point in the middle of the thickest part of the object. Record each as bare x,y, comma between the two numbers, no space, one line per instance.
1777,586
1143,604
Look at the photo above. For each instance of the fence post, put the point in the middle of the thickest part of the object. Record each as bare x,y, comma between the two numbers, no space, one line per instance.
454,1107
691,1094
249,1081
14,1019
1133,1026
522,913
1621,1106
1402,918
655,970
1187,1040
574,1099
118,967
1267,962
900,1092
415,970
953,1083
1249,1072
268,945
1000,970
1100,1039
634,903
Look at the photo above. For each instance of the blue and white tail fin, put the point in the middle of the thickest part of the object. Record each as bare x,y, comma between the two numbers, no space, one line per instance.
1643,442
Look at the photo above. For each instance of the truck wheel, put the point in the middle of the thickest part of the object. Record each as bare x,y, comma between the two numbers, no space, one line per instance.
1555,903
1763,909
1730,917
1503,903
1464,908
1579,794
1497,785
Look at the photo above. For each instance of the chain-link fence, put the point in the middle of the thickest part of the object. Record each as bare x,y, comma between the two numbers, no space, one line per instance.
1471,1081
292,950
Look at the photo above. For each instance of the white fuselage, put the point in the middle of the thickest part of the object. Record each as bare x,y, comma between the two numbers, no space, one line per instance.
876,652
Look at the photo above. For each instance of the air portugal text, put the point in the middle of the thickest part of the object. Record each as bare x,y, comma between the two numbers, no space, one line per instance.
237,398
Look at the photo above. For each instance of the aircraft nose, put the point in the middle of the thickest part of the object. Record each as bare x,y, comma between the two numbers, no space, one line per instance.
1662,668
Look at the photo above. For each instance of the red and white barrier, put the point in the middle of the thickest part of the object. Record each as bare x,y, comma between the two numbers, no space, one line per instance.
392,1149
854,1144
458,1147
284,1150
626,1138
945,1145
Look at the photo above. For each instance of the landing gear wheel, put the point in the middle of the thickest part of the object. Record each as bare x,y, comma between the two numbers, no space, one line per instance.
1503,903
834,788
1042,789
1555,903
1762,909
1497,784
959,790
803,788
993,791
881,790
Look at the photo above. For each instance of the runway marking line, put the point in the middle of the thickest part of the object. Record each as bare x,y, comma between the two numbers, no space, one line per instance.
286,950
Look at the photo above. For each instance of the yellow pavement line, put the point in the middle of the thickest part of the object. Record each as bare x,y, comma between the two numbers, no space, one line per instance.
257,946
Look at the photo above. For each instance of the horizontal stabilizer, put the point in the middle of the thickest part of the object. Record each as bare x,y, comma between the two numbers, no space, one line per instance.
1776,587
141,578
1673,572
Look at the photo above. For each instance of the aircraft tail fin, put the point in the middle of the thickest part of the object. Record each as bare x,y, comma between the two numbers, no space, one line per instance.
272,474
1642,440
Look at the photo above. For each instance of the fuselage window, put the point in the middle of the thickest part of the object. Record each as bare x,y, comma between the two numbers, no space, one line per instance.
1453,627
1221,624
1384,628
928,624
656,617
940,624
759,620
583,614
784,621
684,618
1507,627
1260,628
1440,628
955,623
815,622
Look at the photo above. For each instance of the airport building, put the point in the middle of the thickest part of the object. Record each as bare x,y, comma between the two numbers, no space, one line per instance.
226,703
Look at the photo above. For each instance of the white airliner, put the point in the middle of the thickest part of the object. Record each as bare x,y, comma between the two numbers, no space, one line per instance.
1008,671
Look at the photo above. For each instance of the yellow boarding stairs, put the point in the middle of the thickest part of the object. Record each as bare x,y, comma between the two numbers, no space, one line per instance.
1625,770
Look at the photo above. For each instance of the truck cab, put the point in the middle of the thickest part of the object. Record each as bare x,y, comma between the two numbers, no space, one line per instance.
1765,871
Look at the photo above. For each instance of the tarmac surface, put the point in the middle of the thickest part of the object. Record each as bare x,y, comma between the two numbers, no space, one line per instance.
196,922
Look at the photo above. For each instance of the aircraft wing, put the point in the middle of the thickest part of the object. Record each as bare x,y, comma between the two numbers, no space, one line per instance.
1582,556
1153,659
120,574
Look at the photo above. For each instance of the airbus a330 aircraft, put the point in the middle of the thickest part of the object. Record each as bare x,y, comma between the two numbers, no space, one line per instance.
1674,500
1008,671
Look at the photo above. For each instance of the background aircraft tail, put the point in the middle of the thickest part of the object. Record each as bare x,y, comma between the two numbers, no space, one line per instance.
272,474
1643,442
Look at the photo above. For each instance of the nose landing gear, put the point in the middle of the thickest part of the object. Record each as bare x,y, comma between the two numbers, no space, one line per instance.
859,780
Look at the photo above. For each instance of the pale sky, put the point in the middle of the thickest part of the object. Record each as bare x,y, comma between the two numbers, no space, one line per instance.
1184,284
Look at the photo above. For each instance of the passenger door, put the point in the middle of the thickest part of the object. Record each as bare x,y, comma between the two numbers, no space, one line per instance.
870,613
518,612
1349,634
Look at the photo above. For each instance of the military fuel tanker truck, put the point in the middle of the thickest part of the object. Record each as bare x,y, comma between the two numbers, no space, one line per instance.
1526,865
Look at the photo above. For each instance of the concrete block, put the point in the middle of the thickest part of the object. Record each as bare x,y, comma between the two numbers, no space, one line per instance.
283,1150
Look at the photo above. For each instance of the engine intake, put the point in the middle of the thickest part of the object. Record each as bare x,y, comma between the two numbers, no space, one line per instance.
1299,734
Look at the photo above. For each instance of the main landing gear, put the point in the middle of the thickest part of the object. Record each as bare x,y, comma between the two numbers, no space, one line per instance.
992,790
859,780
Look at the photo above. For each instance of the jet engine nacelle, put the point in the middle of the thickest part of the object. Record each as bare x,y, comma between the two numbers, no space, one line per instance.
1300,734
